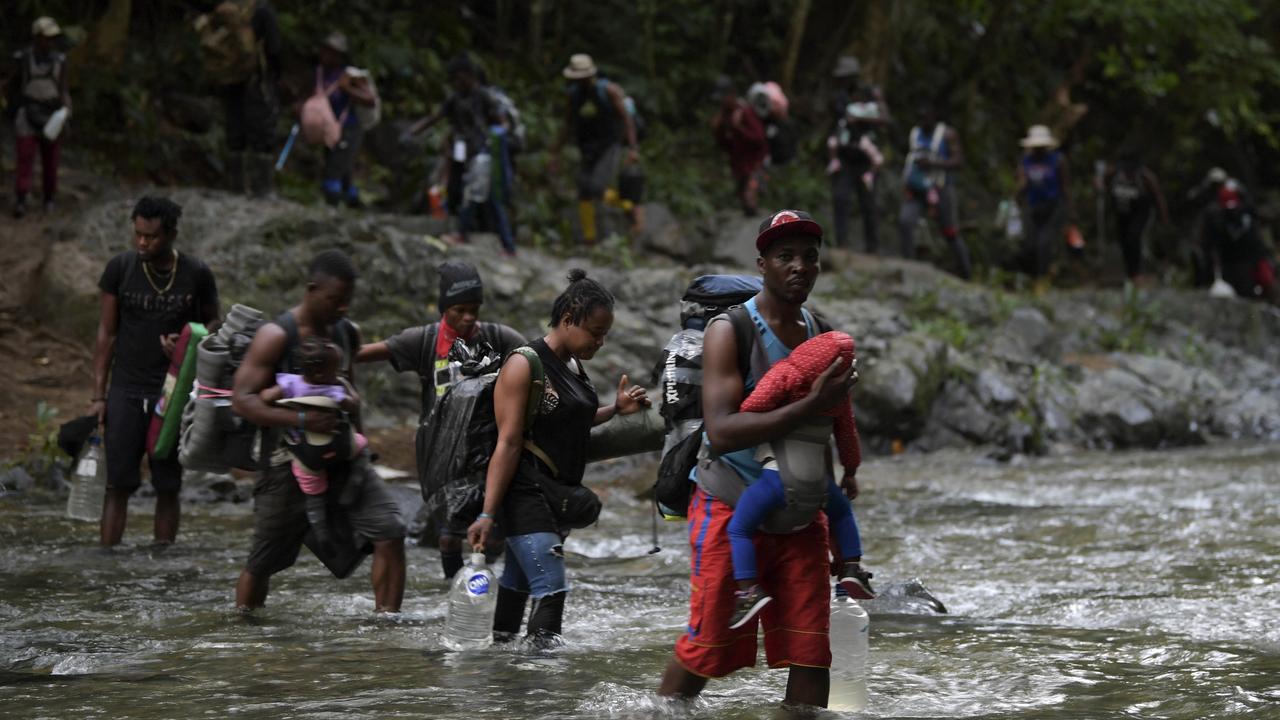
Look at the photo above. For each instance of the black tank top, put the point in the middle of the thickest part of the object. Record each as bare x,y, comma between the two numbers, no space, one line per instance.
595,119
561,430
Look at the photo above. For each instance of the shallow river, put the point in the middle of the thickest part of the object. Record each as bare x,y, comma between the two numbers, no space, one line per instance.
1092,586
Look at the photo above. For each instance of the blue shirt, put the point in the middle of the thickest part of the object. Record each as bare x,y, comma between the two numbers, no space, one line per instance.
1044,183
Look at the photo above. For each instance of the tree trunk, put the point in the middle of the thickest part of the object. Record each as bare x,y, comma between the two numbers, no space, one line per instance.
537,13
795,36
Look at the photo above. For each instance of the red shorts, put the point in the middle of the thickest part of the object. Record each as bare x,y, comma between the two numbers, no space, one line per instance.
793,569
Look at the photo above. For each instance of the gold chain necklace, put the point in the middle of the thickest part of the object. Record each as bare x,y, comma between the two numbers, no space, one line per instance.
173,274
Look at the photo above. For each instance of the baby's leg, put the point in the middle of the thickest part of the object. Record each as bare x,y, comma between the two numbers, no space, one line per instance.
312,482
844,526
358,444
758,500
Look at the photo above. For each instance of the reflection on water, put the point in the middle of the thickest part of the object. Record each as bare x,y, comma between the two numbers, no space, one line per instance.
1094,585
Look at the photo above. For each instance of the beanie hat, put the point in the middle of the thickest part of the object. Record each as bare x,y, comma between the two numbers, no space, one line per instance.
459,284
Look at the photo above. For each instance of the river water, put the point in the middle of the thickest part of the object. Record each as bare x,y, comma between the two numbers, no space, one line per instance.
1139,585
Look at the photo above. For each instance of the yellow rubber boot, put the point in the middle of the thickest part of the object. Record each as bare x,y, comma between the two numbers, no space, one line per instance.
587,219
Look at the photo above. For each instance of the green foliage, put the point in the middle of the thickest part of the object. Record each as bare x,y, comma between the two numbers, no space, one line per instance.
42,442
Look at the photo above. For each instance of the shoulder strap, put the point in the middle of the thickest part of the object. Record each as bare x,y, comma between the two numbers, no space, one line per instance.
345,333
744,337
602,90
537,388
290,325
429,335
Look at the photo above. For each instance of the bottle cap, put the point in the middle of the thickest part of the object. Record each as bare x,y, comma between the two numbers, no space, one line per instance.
477,559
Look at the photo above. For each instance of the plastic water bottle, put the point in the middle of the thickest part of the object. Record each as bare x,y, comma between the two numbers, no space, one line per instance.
88,484
850,626
472,602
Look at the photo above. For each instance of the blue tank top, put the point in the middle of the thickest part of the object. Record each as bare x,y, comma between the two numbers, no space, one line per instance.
1043,183
744,461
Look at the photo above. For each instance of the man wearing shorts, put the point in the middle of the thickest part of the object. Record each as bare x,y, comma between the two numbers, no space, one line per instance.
148,294
361,500
793,566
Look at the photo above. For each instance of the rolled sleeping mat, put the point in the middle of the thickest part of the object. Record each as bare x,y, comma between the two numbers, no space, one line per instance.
624,435
201,444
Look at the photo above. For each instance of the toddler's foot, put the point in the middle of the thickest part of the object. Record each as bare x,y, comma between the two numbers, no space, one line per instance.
855,581
747,604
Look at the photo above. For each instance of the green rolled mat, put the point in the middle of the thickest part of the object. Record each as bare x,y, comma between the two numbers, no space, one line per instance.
623,435
162,436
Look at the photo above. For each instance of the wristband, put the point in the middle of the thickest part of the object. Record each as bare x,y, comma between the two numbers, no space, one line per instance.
484,516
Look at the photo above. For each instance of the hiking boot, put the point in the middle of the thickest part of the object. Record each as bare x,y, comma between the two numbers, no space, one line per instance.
855,581
747,604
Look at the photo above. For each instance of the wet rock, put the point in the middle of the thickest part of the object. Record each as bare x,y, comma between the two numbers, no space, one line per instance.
895,393
16,479
1021,338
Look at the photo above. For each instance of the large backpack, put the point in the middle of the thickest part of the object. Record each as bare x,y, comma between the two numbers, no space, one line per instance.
230,47
680,377
507,108
681,373
461,437
316,119
213,437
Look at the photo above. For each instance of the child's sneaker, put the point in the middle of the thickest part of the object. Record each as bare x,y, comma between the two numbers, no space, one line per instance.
856,581
747,604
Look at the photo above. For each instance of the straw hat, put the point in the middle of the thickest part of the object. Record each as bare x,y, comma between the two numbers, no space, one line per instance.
580,66
846,67
337,42
45,27
1038,136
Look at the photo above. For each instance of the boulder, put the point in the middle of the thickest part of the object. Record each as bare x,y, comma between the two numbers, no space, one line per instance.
896,392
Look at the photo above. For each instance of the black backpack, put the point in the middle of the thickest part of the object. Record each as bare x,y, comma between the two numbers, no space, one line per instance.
679,375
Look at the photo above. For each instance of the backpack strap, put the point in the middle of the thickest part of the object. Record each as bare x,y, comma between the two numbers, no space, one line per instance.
744,337
289,323
537,389
429,335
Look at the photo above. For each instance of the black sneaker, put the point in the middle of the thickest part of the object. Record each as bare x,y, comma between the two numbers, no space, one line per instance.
747,604
856,581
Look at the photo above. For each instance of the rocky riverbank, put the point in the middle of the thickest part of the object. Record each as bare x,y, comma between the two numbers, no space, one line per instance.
944,363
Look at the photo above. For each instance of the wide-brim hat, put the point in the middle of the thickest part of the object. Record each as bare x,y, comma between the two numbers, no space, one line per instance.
336,42
1039,136
786,223
45,27
580,66
846,67
312,401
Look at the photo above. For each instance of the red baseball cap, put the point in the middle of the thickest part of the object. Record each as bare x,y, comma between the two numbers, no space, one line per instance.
786,222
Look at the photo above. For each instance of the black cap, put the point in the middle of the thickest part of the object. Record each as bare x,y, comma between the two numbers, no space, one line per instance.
459,284
786,222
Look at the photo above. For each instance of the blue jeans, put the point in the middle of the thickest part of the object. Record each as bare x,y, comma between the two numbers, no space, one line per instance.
766,495
535,564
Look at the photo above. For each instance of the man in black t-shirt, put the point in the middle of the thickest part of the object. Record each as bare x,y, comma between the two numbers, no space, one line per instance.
148,295
425,350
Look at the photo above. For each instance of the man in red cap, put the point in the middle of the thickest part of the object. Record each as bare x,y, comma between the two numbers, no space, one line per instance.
792,563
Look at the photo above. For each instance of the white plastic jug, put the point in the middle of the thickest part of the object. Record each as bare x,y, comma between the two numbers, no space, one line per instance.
473,598
53,126
88,484
850,627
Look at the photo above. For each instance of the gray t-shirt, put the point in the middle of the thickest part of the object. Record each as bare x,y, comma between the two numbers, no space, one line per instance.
414,350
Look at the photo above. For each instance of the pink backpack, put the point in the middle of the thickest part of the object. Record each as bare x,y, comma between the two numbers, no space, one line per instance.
316,119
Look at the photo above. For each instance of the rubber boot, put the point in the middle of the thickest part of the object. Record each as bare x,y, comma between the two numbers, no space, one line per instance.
260,170
509,614
587,219
318,516
235,173
545,621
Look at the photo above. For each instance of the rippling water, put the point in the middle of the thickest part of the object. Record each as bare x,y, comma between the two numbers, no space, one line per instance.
1089,586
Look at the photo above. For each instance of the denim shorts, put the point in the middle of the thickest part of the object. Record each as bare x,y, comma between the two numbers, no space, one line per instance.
535,564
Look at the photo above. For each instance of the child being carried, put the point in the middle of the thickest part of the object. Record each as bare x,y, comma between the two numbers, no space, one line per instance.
787,381
319,387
